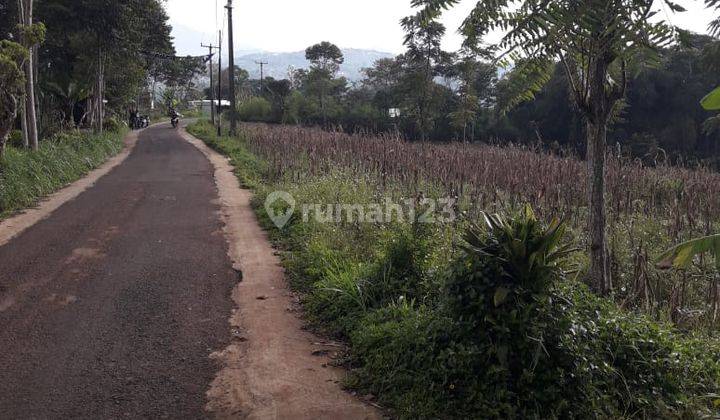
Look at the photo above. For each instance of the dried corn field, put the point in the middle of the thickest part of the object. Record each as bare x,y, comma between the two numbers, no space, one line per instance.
649,209
687,199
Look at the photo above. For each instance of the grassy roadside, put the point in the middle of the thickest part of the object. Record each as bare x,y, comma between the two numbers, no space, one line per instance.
441,331
27,176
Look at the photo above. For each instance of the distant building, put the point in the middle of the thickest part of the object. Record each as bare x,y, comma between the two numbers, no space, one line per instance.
204,105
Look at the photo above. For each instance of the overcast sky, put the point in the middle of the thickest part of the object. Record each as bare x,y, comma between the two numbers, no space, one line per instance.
292,25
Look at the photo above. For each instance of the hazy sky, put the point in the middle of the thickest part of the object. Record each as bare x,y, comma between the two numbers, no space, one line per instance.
292,25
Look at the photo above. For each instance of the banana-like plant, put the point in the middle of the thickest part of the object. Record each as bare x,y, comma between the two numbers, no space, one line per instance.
681,256
69,92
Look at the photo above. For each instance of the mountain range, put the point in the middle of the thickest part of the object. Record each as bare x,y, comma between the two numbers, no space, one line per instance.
279,63
187,42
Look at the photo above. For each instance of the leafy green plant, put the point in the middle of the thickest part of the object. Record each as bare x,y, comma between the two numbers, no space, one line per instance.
510,259
255,109
681,256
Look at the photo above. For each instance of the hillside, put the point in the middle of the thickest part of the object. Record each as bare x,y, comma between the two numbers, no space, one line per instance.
187,42
279,63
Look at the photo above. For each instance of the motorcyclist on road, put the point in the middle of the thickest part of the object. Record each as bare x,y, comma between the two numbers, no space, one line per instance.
133,119
174,117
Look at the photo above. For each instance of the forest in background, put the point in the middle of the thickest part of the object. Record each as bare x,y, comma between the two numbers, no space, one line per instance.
97,60
661,118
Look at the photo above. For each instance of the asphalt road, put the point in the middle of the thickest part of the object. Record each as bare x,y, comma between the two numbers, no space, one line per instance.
111,307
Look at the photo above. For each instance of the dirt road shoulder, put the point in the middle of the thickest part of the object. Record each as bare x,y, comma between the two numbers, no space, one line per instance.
273,368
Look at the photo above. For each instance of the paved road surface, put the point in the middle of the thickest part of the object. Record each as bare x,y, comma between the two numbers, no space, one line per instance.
111,307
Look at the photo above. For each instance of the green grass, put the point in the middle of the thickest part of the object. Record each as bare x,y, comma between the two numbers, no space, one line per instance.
247,167
28,176
391,292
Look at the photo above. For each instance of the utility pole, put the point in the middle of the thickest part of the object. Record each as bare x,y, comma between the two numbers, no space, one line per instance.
210,48
231,71
219,91
262,74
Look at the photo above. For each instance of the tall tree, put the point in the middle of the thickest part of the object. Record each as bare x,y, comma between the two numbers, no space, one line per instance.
473,79
29,115
114,47
325,56
596,41
325,59
423,59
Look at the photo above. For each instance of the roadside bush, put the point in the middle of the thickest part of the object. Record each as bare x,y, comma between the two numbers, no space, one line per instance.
518,341
401,271
112,124
15,139
256,110
27,176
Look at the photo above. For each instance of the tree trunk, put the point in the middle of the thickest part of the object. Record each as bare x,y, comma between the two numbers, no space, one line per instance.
30,103
30,113
99,105
23,125
21,112
598,110
152,98
599,278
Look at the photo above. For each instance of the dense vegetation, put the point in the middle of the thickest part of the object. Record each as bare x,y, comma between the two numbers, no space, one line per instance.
591,68
27,176
459,318
69,69
649,209
96,60
660,119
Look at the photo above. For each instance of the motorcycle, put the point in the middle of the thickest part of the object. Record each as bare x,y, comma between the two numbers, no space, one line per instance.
175,120
138,122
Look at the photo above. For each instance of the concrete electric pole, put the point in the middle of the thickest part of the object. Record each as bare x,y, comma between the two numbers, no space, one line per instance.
210,48
231,71
262,74
219,91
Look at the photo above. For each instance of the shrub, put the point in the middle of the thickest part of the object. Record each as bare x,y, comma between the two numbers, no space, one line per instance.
255,109
516,340
112,124
15,139
401,270
26,175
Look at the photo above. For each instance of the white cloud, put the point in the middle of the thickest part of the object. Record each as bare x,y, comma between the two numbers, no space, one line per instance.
292,25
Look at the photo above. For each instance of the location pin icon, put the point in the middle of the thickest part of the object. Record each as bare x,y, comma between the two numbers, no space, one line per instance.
280,219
